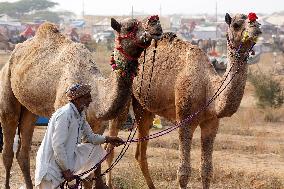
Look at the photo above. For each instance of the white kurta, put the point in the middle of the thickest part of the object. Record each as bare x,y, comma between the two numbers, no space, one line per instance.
61,148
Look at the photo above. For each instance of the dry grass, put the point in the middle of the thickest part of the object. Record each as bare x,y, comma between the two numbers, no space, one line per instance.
248,153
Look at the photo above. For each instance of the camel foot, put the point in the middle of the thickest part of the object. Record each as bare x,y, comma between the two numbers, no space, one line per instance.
183,181
100,185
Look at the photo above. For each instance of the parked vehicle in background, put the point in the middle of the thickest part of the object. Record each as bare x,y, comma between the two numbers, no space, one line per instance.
105,36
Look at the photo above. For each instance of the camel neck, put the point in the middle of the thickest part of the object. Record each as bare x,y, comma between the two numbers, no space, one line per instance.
235,81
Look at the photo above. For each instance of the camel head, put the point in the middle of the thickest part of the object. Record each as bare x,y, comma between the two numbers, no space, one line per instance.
132,33
132,37
242,31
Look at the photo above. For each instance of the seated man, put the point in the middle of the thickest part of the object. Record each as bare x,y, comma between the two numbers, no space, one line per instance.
61,154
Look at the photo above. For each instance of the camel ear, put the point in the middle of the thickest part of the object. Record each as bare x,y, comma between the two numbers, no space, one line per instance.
115,25
228,19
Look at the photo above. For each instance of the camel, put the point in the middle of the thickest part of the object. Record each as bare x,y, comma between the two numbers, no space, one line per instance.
183,82
5,44
40,69
207,44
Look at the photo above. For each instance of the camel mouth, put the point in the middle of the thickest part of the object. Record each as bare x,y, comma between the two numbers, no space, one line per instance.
253,39
251,36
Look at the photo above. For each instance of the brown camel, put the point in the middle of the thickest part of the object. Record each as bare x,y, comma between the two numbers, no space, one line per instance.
5,44
35,79
183,82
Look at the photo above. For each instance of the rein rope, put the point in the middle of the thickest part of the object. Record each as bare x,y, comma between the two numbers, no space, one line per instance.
190,117
130,35
187,120
130,136
151,75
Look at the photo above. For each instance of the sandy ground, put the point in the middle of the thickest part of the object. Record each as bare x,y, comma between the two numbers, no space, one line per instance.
248,153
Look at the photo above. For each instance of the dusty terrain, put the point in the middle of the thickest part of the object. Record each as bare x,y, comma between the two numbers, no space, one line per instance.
248,152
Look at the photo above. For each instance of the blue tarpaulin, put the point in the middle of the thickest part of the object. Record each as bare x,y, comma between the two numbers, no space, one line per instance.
42,121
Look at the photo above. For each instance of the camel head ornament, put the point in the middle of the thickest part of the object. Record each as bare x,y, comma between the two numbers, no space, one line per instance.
132,38
243,31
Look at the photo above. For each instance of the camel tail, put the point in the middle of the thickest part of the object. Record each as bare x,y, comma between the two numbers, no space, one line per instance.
1,139
17,136
16,141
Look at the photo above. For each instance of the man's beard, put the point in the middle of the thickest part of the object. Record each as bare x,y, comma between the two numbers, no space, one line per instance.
85,108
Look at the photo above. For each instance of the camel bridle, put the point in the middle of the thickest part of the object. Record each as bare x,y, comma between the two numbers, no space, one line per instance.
132,36
128,67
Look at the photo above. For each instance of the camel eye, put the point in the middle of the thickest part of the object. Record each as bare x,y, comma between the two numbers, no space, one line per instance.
129,28
236,26
154,21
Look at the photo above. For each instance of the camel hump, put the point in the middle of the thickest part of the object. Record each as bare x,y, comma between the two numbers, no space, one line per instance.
47,29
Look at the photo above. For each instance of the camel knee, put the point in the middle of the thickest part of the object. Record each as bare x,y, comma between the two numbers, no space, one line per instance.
140,157
140,154
22,157
184,170
8,153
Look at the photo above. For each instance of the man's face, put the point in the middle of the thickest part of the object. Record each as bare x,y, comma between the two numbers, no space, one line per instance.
84,100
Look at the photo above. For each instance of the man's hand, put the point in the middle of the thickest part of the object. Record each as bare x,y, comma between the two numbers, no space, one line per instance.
68,175
116,141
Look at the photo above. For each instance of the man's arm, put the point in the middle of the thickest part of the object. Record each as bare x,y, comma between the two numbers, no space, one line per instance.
100,139
91,136
59,139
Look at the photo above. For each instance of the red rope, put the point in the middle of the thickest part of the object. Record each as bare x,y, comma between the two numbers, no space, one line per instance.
129,35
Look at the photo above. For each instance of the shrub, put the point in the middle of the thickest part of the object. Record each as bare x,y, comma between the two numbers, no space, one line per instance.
268,91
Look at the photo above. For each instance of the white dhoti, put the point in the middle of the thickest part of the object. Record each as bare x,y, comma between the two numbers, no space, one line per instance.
46,185
87,156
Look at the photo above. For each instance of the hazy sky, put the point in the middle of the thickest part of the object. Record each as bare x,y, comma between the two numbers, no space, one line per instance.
123,7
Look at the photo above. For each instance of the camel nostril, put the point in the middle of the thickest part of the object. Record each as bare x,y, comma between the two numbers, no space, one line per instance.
258,32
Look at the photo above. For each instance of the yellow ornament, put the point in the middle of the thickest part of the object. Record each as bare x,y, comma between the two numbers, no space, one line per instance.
157,123
245,37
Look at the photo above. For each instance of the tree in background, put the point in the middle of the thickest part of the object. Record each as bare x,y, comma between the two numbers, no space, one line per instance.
50,16
20,8
27,10
269,94
268,91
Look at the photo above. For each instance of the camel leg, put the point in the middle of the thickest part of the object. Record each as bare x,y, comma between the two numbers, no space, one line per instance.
184,171
186,103
23,156
114,126
209,130
9,131
144,120
113,131
97,127
88,184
